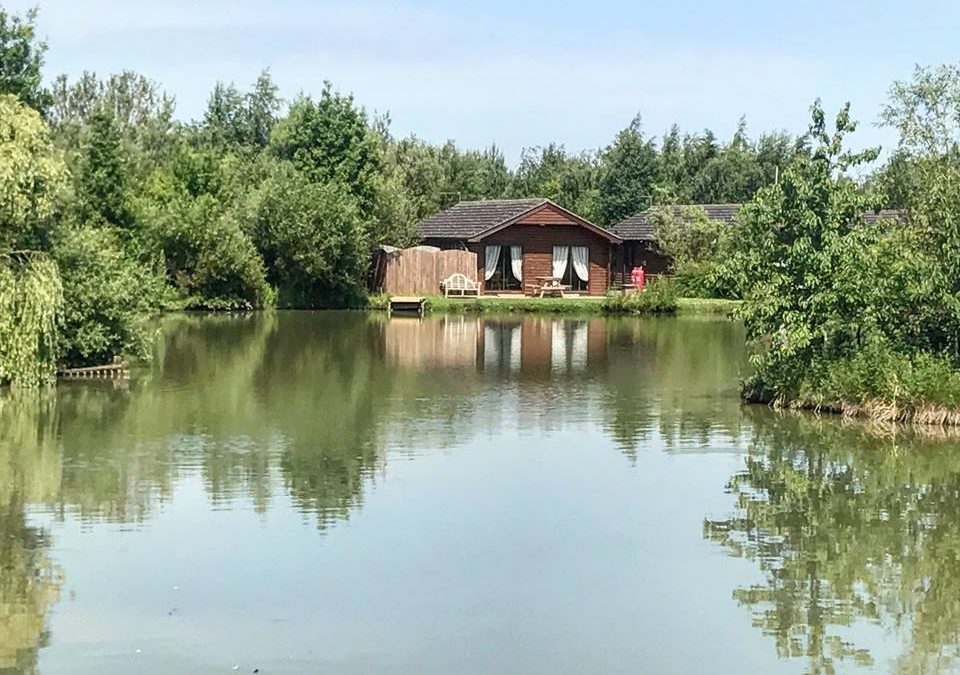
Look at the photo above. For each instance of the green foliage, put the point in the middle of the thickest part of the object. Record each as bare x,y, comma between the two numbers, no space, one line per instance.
192,224
851,316
570,181
141,111
32,174
235,120
107,297
330,141
311,237
208,257
31,302
699,248
659,296
21,59
102,179
628,174
800,247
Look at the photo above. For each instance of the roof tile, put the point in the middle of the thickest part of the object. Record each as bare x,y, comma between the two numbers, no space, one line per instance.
468,219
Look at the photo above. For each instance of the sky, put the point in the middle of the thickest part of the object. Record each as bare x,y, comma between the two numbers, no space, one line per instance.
522,74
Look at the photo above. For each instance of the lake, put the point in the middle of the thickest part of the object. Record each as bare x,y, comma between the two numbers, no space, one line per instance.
328,492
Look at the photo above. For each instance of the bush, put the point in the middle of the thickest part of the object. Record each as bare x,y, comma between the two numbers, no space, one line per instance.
209,258
312,239
659,296
107,297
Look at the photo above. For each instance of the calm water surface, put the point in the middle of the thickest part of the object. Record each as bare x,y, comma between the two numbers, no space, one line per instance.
338,493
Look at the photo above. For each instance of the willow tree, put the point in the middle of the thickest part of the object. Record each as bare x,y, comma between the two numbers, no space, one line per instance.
31,296
32,172
31,302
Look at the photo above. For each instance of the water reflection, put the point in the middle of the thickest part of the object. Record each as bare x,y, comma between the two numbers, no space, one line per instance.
29,581
305,411
849,530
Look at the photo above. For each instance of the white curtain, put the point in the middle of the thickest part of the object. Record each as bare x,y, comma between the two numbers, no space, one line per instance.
560,255
516,262
581,258
490,264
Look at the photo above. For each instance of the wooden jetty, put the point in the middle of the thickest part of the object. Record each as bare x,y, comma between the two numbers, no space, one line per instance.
113,371
408,304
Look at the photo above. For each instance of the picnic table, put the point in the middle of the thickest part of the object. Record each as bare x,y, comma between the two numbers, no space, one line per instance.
549,286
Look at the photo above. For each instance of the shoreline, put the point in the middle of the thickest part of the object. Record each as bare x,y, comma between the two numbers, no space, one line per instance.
528,305
874,410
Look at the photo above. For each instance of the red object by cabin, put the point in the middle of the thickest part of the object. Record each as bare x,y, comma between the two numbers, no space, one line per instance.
638,277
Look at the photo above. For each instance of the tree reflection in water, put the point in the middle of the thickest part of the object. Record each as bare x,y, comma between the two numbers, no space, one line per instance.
848,527
29,581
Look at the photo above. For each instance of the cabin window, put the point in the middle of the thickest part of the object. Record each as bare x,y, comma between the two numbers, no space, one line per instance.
503,270
577,272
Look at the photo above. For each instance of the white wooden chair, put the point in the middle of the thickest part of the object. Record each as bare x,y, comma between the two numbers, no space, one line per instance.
460,285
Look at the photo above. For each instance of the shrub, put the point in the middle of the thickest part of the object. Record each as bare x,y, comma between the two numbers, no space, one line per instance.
659,296
312,239
107,297
208,258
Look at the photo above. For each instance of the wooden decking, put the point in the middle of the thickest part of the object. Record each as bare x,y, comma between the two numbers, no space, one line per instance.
113,371
407,304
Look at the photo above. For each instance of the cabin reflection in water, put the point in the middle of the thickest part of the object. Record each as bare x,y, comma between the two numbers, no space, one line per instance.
530,345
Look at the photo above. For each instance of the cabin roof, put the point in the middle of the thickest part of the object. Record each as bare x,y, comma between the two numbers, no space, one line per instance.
640,226
474,220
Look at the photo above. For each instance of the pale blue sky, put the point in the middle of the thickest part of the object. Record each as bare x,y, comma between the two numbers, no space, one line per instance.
523,73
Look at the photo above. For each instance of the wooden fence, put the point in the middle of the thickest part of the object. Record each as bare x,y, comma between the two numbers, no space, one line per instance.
419,270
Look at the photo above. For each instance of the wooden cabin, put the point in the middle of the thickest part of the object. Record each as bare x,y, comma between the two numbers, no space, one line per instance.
518,241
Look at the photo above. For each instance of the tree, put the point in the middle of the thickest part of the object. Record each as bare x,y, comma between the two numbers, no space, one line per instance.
21,59
926,172
629,171
311,237
925,110
800,245
102,181
32,175
31,303
550,172
330,142
141,111
234,120
263,105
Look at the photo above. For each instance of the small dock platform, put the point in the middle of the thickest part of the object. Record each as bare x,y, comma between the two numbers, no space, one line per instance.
112,371
408,304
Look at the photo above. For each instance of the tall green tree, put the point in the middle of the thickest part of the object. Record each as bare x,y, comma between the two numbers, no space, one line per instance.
801,243
234,120
628,175
550,172
21,59
141,110
103,176
32,176
330,141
